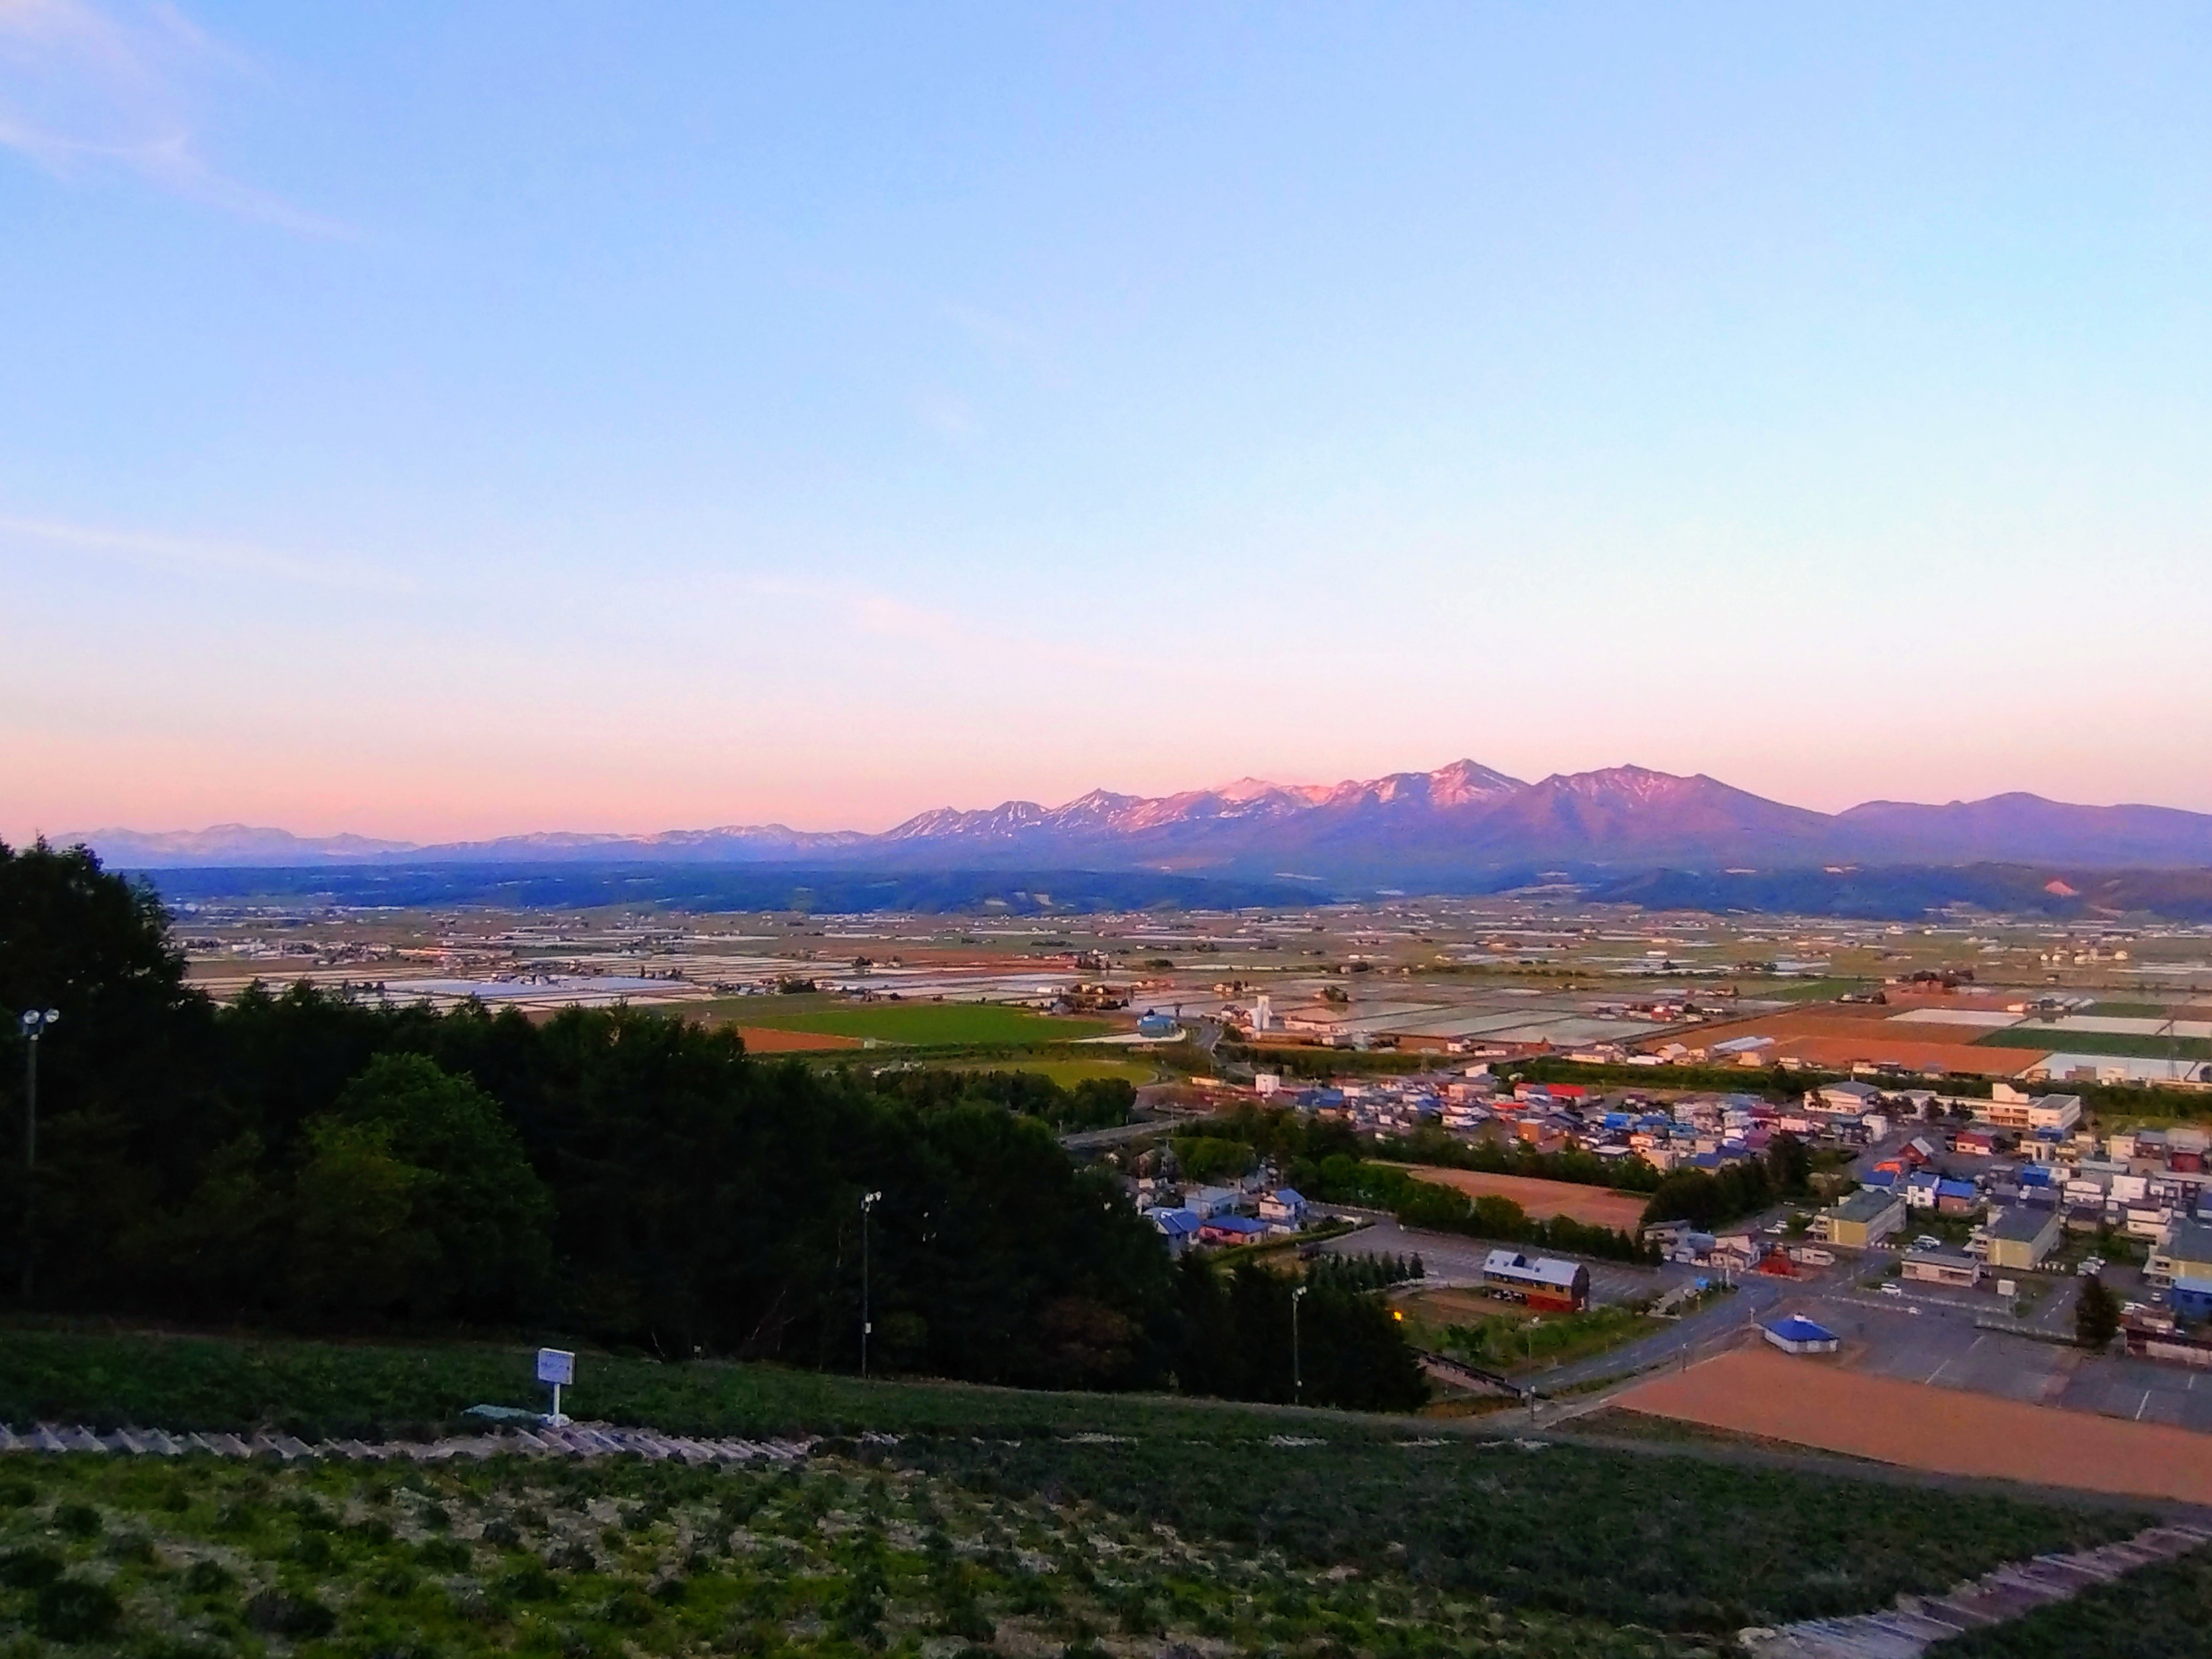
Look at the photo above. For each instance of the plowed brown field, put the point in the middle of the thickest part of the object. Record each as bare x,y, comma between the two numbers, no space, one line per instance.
1836,1039
762,1040
1813,1402
1598,1206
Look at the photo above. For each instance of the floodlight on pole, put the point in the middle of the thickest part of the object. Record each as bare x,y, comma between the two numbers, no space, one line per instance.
36,1022
1297,1375
868,1202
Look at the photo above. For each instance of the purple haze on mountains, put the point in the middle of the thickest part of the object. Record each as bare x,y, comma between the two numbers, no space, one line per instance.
1460,817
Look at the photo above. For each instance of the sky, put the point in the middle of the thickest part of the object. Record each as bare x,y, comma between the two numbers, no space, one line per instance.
432,421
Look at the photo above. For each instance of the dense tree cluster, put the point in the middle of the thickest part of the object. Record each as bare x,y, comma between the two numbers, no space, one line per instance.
1368,1271
1714,1198
1242,1332
1096,1102
313,1161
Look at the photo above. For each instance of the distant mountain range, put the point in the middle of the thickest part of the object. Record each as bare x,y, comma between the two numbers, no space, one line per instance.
1460,821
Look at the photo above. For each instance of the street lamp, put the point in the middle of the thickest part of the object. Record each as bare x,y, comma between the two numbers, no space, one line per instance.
1297,1377
35,1026
868,1202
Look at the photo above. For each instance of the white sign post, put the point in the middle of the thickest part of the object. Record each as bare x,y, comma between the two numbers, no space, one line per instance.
558,1367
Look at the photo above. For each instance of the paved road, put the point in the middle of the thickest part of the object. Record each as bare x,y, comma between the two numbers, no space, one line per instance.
1753,1301
1087,1140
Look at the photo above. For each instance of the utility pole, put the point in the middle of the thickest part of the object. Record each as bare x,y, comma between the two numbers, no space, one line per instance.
867,1203
35,1025
1297,1376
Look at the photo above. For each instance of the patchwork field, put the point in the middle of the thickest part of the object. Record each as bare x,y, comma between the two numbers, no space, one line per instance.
1812,1402
1597,1206
1837,1038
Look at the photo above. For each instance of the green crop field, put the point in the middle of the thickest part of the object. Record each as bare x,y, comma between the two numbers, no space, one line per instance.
920,1023
2097,1042
835,1557
1044,1523
1808,990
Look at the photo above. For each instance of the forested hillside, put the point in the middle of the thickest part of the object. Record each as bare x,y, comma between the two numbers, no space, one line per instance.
298,1160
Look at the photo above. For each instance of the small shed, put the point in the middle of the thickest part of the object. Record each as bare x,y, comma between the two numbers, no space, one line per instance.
1798,1335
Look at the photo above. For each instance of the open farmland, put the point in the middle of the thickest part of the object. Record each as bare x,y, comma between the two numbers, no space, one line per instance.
1599,1206
2043,1040
1835,1037
918,1024
1811,1402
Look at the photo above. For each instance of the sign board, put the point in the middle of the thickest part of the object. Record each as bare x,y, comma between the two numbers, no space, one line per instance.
556,1366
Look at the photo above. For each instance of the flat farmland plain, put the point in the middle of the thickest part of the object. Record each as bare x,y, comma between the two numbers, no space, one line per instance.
1599,1206
1813,1402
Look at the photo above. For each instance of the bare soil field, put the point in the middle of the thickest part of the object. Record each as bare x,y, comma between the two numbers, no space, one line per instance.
1811,1402
1836,1038
763,1040
1596,1206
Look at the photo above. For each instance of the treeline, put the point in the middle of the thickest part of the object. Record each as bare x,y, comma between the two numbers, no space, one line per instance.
1709,1199
1418,1203
1441,1148
1348,1348
305,1161
1371,1271
1097,1103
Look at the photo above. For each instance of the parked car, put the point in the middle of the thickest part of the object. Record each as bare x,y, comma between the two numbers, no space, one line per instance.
1891,1290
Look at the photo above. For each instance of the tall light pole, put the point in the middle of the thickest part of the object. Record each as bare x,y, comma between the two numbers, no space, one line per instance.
868,1202
1297,1376
35,1026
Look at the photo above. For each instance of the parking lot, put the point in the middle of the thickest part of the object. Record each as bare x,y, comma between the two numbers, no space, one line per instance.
1940,1345
1459,1260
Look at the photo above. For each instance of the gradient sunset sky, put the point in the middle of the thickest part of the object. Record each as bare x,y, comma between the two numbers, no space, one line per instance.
437,421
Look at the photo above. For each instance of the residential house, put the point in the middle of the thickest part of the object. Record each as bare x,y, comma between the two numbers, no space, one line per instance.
2021,1238
1943,1268
1231,1229
1176,1225
2186,1252
1284,1208
1956,1197
1865,1218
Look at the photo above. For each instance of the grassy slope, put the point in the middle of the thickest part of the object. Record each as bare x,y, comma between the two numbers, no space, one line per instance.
1572,1531
318,1389
836,1558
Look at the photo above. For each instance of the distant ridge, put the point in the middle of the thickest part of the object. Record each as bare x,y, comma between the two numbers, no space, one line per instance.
1459,819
